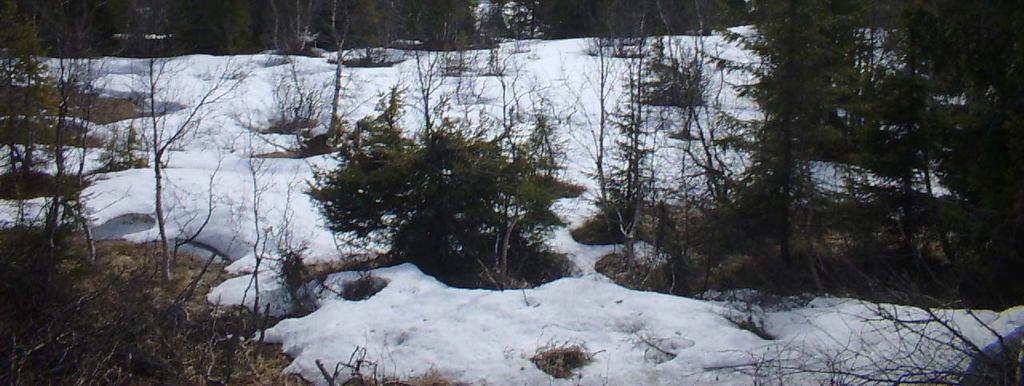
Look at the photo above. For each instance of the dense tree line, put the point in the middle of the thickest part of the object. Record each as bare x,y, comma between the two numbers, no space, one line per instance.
145,27
888,153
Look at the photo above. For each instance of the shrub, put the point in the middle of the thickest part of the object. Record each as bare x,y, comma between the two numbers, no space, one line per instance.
675,81
117,321
295,276
122,152
27,268
451,203
657,276
544,267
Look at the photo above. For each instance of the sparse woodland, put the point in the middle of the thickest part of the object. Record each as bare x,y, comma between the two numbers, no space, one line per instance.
778,192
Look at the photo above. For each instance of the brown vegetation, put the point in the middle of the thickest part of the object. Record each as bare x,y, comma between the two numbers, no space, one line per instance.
105,110
560,361
657,277
65,320
36,184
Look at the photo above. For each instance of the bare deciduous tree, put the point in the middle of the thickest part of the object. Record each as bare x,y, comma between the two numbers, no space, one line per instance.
164,134
428,83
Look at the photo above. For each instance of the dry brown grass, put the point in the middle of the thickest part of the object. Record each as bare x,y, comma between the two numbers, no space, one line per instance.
638,276
561,360
596,230
105,110
119,322
204,337
430,378
91,107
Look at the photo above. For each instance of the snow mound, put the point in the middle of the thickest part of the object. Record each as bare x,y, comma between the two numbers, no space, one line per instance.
417,324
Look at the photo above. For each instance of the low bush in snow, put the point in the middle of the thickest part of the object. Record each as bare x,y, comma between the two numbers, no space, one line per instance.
454,202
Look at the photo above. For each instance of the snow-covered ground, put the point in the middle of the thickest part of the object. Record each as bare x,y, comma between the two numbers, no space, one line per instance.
417,324
257,207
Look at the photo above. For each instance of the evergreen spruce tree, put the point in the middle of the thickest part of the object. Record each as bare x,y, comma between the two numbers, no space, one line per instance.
25,91
975,52
630,174
216,27
122,152
444,201
805,49
899,141
441,24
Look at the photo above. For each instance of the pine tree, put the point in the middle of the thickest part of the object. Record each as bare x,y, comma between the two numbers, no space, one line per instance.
900,141
122,152
450,202
974,50
806,59
215,27
25,91
441,24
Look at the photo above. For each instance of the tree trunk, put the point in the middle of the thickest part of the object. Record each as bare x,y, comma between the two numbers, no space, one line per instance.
786,126
503,267
339,67
161,221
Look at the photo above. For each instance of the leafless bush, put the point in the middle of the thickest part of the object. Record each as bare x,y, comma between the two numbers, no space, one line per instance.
158,98
891,344
457,63
369,57
360,371
301,105
678,77
616,47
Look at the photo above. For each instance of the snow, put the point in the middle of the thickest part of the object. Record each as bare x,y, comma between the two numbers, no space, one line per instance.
416,325
487,337
254,208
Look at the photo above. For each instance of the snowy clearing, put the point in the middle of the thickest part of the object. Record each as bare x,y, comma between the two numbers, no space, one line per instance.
416,324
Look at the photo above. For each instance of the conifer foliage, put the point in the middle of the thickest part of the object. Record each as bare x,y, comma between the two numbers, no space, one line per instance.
25,94
450,201
805,49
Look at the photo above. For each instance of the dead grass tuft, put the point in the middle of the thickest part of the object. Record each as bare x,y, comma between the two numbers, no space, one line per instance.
430,378
561,360
657,277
